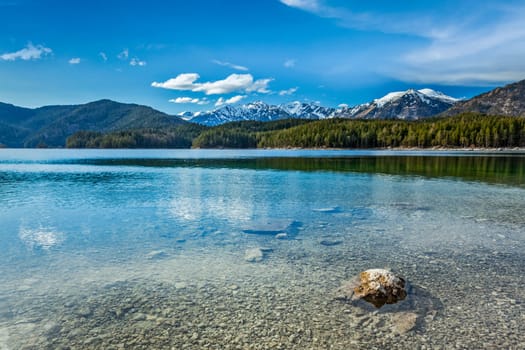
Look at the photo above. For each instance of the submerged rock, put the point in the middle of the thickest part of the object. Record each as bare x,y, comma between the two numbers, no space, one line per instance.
273,227
410,206
330,242
376,286
380,287
253,255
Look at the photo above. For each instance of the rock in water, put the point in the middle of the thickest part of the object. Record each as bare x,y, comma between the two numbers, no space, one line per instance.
380,287
330,243
253,255
273,227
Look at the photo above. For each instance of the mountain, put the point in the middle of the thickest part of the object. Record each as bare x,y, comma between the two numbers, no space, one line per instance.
508,100
302,110
405,105
258,111
51,125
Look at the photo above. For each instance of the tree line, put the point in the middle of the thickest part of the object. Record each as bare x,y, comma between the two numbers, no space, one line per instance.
172,137
465,130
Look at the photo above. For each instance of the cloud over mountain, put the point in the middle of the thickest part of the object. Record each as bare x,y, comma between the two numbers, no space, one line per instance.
190,100
221,101
232,83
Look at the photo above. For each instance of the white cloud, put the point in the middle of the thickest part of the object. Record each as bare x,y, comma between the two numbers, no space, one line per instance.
198,101
490,53
343,105
221,101
288,92
290,63
307,5
235,99
260,86
74,60
30,52
232,83
184,100
230,65
181,82
136,62
124,55
460,45
417,24
103,56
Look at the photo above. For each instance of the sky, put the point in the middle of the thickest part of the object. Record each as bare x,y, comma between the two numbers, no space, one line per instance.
203,54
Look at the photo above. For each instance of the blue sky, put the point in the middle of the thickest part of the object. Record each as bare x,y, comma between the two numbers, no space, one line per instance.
199,54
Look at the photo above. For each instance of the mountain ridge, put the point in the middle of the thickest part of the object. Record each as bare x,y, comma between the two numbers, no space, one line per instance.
51,125
406,105
508,100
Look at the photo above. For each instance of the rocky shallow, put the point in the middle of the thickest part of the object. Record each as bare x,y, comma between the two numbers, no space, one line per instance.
272,290
283,302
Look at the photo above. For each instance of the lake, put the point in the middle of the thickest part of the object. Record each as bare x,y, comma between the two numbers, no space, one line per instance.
121,249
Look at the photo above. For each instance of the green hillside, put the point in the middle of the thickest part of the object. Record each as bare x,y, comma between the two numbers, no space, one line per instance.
51,125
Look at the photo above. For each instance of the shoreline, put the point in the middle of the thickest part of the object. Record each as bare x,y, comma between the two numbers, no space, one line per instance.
393,149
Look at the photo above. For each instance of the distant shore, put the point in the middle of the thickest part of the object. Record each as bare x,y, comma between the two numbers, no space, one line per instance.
393,149
415,149
468,149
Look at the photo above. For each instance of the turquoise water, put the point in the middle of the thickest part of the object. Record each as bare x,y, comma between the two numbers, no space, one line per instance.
146,249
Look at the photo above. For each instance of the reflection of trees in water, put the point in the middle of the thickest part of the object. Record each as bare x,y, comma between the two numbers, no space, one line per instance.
508,170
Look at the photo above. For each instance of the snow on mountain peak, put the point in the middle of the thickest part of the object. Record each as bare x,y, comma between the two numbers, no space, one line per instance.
438,95
423,94
257,104
390,97
293,108
409,104
186,115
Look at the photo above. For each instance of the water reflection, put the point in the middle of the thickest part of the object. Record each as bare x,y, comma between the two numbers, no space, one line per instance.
40,237
500,169
197,195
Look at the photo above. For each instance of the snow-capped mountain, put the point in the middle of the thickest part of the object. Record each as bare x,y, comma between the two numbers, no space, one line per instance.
186,115
258,111
261,111
407,105
305,110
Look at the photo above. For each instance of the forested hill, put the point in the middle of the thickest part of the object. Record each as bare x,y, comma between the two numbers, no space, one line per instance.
51,125
465,130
